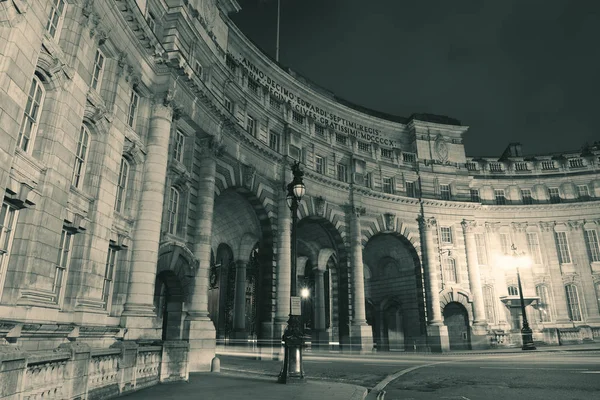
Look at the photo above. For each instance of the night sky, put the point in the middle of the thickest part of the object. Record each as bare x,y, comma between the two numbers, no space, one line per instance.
513,70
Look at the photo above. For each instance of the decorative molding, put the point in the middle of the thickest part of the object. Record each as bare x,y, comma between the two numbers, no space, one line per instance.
575,225
519,226
547,226
212,146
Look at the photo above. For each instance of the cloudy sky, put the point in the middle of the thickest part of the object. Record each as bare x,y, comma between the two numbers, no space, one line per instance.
512,70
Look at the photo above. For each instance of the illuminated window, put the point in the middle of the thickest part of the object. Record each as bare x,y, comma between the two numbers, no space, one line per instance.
80,157
31,115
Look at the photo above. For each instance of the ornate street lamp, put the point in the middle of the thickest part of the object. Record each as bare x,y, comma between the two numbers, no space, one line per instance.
293,336
521,260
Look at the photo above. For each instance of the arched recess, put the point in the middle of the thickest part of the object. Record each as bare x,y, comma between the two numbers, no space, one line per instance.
241,220
456,318
314,235
395,273
175,272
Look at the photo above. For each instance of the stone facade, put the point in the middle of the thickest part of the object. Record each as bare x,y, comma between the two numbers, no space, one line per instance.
145,150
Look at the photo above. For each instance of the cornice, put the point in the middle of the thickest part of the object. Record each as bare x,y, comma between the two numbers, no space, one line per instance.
594,204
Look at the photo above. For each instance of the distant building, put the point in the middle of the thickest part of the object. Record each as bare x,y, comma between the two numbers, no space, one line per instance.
145,147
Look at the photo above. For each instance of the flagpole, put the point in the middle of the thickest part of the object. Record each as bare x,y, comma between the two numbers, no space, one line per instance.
277,42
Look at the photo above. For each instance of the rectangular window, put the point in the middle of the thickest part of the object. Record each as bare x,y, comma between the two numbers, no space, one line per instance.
411,190
533,245
369,180
298,118
449,268
583,191
109,271
178,146
500,198
446,234
133,108
340,139
554,195
362,146
250,125
80,157
274,141
320,164
489,302
573,303
445,192
8,219
274,103
564,254
544,309
62,263
31,115
253,86
57,10
526,196
122,185
481,249
341,173
173,210
231,64
388,185
475,195
198,69
387,153
98,70
228,104
319,130
591,238
505,244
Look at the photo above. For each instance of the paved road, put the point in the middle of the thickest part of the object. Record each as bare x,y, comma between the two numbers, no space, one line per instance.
535,375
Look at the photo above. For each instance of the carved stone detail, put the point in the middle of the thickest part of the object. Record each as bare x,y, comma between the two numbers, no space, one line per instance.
468,225
492,226
547,226
212,146
390,221
519,226
320,205
575,225
427,222
249,173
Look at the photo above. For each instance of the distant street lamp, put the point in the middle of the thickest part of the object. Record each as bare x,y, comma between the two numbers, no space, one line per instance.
293,336
521,260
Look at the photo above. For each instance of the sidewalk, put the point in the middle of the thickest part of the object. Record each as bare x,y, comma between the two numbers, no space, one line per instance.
208,386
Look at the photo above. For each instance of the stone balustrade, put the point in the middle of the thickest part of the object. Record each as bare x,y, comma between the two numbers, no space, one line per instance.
75,371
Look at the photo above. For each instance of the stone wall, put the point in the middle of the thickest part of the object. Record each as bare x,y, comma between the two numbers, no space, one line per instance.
76,371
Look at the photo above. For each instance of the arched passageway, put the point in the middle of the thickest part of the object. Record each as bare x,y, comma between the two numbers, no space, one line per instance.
394,292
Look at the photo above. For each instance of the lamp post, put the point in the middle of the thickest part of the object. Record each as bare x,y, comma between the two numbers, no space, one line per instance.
526,333
293,336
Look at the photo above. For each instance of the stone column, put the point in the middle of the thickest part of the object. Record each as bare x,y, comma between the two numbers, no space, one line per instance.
239,305
437,332
199,329
498,273
479,330
361,334
320,336
138,311
559,297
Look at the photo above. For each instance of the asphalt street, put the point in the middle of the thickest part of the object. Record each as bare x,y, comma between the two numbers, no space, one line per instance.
527,375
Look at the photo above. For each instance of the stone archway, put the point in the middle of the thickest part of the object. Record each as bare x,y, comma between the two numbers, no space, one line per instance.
396,290
456,318
321,243
175,271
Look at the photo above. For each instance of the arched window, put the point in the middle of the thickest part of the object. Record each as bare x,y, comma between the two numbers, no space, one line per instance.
31,115
573,303
544,309
513,291
449,268
80,157
122,185
173,210
489,302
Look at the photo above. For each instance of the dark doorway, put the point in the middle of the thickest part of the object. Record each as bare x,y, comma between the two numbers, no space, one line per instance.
456,319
